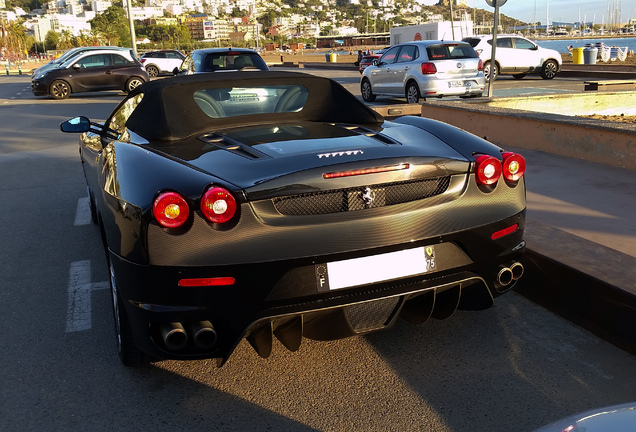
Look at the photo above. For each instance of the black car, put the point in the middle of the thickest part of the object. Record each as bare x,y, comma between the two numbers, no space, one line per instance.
250,204
163,61
221,60
91,71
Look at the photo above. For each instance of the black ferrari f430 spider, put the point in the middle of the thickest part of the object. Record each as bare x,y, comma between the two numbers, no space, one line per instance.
276,204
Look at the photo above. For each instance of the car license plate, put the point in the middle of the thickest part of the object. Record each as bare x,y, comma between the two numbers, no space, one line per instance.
459,83
377,268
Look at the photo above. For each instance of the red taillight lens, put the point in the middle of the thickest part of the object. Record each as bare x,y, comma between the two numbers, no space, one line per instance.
171,210
504,232
480,66
514,166
218,205
488,170
428,68
142,61
201,282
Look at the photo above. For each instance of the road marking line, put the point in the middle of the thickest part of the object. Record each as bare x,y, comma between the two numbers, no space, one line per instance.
83,212
80,288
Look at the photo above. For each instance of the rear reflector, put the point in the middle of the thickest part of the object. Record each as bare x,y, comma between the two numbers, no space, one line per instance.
504,232
364,171
200,282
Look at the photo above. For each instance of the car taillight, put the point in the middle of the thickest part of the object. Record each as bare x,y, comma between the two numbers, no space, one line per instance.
480,66
171,210
142,61
487,170
428,68
218,205
514,166
479,51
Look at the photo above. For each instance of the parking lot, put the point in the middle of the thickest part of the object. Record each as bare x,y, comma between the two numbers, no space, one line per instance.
515,366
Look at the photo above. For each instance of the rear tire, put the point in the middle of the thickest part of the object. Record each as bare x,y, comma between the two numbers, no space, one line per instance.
367,92
59,90
487,68
412,93
129,354
153,71
133,83
549,69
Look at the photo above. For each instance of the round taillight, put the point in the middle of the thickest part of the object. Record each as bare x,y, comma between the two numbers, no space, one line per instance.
171,210
514,166
488,170
218,205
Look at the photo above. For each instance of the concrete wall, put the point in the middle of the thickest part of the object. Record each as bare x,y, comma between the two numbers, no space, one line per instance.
598,141
589,103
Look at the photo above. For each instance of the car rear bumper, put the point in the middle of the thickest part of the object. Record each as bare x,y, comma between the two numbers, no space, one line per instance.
290,300
453,87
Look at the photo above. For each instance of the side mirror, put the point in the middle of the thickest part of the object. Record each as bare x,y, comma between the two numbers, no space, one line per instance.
375,62
76,125
76,66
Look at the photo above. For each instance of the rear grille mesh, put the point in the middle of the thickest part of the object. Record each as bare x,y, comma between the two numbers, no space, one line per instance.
359,198
371,315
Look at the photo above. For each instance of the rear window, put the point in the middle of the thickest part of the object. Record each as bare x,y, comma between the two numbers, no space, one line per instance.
450,51
237,101
229,61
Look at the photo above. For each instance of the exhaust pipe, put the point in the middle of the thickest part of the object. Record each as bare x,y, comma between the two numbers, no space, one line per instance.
203,334
505,276
517,270
174,335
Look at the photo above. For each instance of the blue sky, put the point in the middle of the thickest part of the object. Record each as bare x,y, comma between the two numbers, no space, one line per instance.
560,10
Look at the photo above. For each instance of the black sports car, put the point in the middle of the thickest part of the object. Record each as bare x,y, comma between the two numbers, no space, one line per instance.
276,204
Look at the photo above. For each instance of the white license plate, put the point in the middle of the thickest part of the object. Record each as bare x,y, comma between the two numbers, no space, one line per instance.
459,83
376,268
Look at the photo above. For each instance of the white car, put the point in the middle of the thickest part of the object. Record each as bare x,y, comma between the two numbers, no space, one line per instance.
421,69
516,56
164,61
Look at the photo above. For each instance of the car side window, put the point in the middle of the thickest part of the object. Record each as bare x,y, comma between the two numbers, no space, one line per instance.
188,65
95,60
504,43
119,118
390,55
407,54
120,60
171,55
523,44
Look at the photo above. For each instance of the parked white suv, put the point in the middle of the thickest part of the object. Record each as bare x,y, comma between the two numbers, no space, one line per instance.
516,55
164,61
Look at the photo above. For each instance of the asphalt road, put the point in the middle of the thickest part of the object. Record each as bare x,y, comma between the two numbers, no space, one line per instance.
514,367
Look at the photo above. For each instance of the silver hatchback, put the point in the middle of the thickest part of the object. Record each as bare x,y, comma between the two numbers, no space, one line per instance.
417,70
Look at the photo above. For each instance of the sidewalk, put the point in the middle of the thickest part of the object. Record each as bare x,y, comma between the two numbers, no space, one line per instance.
581,244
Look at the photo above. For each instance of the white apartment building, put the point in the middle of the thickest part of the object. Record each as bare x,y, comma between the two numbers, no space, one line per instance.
59,23
99,6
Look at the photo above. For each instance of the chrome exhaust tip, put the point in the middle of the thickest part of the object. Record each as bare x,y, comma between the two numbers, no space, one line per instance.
517,270
203,334
504,277
174,336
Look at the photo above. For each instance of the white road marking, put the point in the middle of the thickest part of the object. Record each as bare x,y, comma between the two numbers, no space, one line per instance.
83,212
80,288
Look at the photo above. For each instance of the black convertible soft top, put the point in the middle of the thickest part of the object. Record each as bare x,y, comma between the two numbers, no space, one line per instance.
168,110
